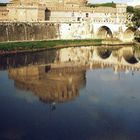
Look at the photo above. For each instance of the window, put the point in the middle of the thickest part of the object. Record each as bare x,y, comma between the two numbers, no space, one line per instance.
78,19
87,14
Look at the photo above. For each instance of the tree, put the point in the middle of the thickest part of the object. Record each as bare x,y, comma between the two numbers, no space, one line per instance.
3,4
136,18
130,9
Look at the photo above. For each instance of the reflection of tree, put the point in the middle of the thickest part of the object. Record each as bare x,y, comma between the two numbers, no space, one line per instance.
54,85
24,59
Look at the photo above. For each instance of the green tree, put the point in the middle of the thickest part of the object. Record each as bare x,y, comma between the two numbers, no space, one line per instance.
130,9
3,4
136,18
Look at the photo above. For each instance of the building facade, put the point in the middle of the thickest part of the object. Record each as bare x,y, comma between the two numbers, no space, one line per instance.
77,10
4,13
74,17
61,10
26,10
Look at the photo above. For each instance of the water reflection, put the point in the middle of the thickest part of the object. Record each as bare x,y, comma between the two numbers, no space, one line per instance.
24,59
58,75
50,84
79,55
94,92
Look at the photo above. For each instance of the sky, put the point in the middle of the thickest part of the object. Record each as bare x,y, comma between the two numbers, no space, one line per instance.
94,1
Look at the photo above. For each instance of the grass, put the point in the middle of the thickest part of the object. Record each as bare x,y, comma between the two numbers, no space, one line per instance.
33,45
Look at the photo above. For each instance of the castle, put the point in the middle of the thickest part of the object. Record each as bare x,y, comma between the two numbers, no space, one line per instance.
73,18
60,10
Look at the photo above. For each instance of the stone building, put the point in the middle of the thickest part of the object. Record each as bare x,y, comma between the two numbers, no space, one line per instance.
60,10
137,6
26,10
80,21
3,13
78,11
75,19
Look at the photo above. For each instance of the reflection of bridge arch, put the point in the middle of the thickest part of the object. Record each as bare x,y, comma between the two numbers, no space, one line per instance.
128,55
129,34
131,59
104,32
104,53
132,62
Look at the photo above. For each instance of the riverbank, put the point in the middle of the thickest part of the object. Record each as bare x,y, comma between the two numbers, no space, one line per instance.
15,47
30,46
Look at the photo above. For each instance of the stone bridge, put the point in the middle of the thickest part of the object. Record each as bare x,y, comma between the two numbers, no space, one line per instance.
119,31
13,31
91,29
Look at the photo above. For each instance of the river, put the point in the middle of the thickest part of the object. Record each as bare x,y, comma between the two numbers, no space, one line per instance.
77,93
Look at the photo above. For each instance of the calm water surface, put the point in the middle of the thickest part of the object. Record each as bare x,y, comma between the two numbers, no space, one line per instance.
70,94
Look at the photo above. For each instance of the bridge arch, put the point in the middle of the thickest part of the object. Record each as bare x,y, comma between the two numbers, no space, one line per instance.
129,34
104,32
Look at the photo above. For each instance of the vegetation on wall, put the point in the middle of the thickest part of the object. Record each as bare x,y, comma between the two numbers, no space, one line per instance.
135,17
130,9
3,4
109,4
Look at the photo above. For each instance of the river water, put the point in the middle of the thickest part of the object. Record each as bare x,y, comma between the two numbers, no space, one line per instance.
83,93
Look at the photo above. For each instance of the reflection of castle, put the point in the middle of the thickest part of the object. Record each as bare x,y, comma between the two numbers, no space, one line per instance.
61,81
50,84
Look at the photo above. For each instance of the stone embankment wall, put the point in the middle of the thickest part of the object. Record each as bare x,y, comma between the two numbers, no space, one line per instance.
13,31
